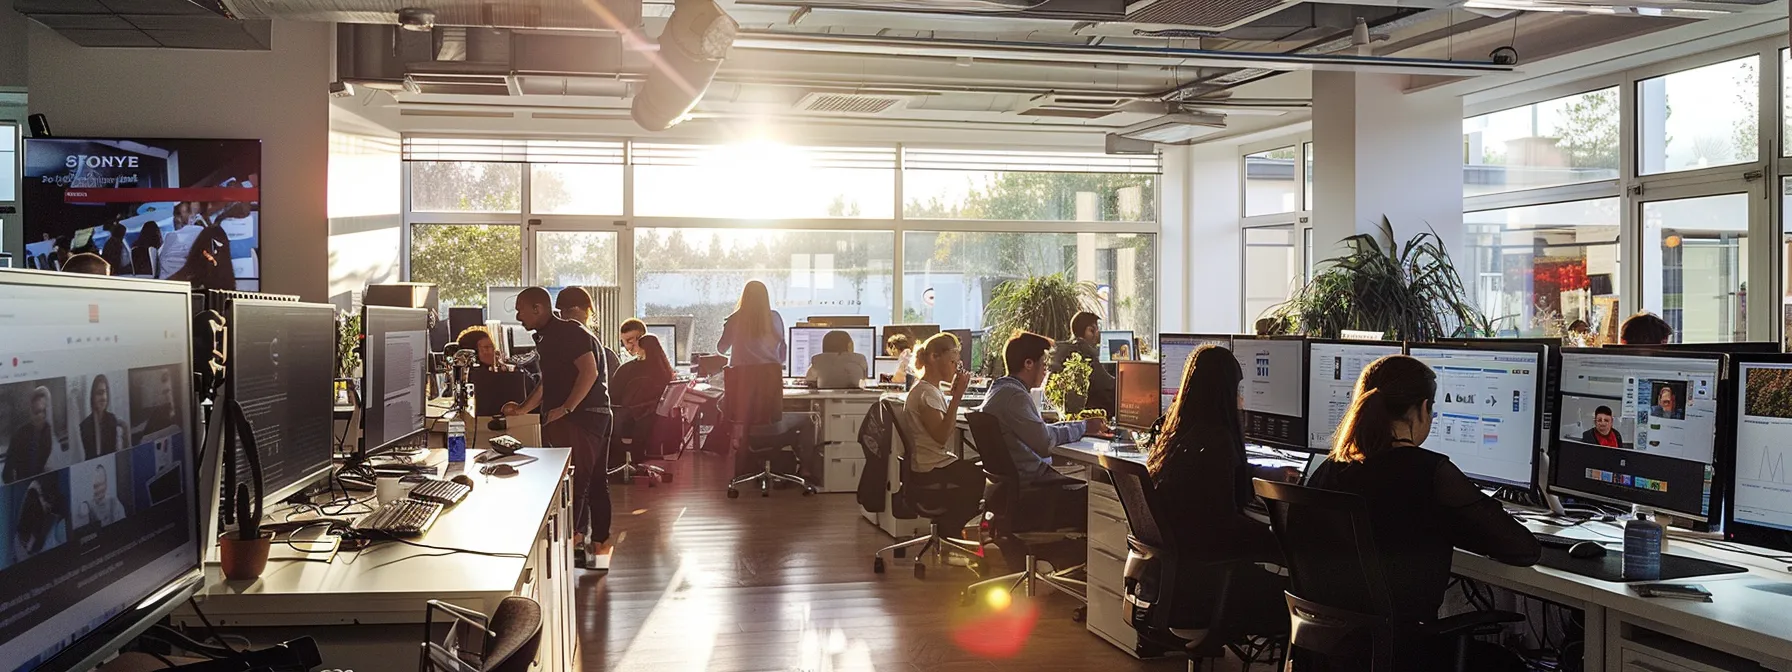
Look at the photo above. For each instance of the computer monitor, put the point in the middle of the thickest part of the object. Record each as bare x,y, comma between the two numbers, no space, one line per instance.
1760,503
282,361
806,342
979,351
687,325
1488,412
100,499
1552,376
462,318
395,355
1731,348
883,366
1117,346
1275,393
1639,427
1173,351
965,352
668,337
1333,367
916,333
1136,402
839,320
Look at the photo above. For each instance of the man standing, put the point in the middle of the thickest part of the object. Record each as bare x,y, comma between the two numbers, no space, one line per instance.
1085,340
576,415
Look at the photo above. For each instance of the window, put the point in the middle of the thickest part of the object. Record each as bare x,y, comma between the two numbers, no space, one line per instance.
1698,118
1702,245
1567,140
1272,269
1534,270
1029,186
699,272
465,186
568,258
1786,253
9,162
948,277
575,189
1785,101
764,181
1269,186
464,259
1308,176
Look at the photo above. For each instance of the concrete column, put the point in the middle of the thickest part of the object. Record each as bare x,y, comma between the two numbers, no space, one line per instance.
1215,243
1378,151
1172,242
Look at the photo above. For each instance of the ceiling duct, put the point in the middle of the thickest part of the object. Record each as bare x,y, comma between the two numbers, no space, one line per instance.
697,37
1091,10
612,15
1214,15
151,24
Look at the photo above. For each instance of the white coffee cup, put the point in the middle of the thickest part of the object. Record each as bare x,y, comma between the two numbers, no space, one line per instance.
388,489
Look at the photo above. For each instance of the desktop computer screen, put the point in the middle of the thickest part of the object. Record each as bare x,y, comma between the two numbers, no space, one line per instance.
282,355
97,494
1488,412
1639,428
395,355
462,318
1173,351
1332,370
1137,404
806,342
1274,390
1761,487
1116,346
966,351
668,337
917,333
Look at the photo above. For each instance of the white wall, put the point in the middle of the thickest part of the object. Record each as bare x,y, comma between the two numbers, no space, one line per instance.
365,208
278,96
1173,288
1380,151
13,52
1214,242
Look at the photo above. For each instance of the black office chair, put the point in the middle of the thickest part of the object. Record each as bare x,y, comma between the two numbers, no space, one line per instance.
916,501
1002,508
647,435
1340,612
753,402
507,641
1154,572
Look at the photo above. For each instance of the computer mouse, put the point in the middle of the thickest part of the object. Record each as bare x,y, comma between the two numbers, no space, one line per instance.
499,470
1586,550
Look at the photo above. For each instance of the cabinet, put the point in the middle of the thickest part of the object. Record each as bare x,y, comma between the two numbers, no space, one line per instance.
1107,569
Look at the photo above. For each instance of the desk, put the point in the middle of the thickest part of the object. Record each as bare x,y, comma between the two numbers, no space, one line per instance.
364,608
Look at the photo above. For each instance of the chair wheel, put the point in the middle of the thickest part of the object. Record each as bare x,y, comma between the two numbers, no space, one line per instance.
733,494
877,565
901,552
765,492
808,491
1080,614
920,571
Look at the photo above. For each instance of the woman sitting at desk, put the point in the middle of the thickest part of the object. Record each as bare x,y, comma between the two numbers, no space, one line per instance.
935,417
1420,504
838,367
637,389
1200,471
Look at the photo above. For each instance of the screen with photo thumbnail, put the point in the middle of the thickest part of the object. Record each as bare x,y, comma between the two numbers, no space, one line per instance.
96,499
1331,384
1763,440
1485,416
144,205
1638,429
1274,379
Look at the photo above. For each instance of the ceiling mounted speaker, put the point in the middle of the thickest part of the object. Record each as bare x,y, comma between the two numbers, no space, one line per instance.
697,37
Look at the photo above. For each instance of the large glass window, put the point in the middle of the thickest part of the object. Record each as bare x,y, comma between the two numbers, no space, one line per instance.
1785,254
1562,141
9,162
764,181
568,258
949,277
1308,173
575,189
463,259
1535,270
700,272
1785,101
1029,186
1695,280
1272,269
1699,118
1269,182
465,186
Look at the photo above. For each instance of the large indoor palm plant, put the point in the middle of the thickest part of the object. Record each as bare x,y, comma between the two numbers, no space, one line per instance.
1405,292
1042,304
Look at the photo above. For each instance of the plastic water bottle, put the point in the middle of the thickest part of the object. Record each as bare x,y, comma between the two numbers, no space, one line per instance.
457,440
1642,546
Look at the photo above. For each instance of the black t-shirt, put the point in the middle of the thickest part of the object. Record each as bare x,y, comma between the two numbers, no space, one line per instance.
558,346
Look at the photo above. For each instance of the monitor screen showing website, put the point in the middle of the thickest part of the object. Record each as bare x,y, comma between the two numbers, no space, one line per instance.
282,354
1137,403
1638,429
1332,371
1274,396
1487,413
97,503
1763,484
1173,351
1116,346
807,342
396,353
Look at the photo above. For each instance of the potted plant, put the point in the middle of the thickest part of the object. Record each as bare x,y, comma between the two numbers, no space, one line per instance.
243,554
1068,389
1041,304
1406,292
348,341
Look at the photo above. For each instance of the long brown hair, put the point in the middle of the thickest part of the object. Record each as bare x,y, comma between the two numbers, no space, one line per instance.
1205,413
1387,390
655,356
753,313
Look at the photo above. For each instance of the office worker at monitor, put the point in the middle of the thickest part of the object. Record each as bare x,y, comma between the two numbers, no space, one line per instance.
1420,504
1602,433
28,453
902,347
1029,439
480,342
1645,328
576,414
837,367
630,334
101,432
1085,340
932,410
636,390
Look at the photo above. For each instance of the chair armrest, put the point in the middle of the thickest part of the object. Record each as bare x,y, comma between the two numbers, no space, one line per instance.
1472,623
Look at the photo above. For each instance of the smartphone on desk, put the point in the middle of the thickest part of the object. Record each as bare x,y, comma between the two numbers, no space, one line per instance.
1678,591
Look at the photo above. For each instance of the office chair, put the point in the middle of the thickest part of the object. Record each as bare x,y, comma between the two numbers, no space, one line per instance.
1339,609
1154,572
753,402
930,501
507,641
666,418
1002,504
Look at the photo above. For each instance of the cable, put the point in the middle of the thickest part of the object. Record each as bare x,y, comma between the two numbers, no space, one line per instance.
211,628
386,537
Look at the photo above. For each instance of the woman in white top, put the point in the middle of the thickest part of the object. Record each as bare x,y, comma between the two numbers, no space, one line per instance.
902,348
934,418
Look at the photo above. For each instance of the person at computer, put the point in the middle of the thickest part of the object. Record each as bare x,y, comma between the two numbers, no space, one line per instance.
837,367
575,304
1420,504
101,432
28,454
101,508
637,388
902,347
87,263
39,526
1602,433
753,335
932,409
1029,438
1666,405
577,414
1085,340
630,334
480,342
1645,328
1200,471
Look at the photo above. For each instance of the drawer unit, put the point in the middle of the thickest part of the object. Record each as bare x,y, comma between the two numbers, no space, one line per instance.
841,474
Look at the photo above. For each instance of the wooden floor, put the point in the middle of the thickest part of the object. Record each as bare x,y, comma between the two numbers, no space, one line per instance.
702,582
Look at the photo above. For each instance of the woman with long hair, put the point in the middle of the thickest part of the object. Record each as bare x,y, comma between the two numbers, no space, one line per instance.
639,384
1198,465
1420,505
754,333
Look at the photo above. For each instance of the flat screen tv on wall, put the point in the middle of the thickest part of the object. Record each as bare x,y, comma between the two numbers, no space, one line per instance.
145,205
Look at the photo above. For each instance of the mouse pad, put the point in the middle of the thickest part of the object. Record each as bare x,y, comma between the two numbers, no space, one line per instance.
1611,567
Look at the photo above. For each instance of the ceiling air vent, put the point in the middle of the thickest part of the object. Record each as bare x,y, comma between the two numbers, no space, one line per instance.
850,103
1203,14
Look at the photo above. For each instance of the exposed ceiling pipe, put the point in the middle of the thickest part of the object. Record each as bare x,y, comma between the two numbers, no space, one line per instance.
1235,78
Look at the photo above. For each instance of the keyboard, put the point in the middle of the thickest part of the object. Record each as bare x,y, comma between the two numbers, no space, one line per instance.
401,518
446,493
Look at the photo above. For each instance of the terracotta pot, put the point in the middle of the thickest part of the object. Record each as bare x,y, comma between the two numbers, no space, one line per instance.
244,560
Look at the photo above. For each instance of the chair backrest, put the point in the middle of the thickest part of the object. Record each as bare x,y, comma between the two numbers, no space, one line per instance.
1138,497
992,446
753,394
670,399
1329,546
516,635
899,424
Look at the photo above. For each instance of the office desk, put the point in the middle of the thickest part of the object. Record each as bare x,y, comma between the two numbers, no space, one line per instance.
364,608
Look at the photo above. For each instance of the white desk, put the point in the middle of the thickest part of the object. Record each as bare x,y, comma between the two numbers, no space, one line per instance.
364,608
838,414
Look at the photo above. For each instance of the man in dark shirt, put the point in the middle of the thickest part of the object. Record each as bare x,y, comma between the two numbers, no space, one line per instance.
1085,340
577,414
29,451
1602,433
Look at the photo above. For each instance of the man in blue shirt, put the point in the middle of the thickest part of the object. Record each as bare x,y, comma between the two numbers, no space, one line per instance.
1029,439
